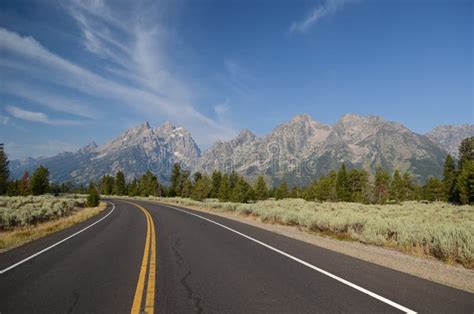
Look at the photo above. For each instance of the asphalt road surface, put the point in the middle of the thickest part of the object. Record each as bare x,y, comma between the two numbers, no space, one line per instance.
165,259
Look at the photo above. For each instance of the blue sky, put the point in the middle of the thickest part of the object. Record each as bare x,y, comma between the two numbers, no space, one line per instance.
76,71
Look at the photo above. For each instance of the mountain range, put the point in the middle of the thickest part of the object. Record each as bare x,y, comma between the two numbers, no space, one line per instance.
297,151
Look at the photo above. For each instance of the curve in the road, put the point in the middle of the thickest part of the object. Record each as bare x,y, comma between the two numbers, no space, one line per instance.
57,243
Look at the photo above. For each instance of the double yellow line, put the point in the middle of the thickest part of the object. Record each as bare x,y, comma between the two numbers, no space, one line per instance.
148,263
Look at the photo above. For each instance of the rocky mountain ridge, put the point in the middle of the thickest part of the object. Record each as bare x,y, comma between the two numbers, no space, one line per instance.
298,151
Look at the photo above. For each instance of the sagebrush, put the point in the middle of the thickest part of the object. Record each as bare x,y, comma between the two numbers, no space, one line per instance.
27,210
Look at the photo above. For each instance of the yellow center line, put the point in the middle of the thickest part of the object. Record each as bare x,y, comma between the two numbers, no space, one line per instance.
150,292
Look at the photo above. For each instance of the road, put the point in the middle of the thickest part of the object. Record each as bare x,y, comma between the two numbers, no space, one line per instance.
165,259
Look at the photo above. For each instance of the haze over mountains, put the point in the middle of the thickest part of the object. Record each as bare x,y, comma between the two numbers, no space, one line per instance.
298,151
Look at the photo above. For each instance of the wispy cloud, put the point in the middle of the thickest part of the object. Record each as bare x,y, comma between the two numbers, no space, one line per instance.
37,117
49,99
327,8
137,72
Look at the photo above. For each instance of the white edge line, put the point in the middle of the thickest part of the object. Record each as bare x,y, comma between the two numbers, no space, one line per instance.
348,283
57,243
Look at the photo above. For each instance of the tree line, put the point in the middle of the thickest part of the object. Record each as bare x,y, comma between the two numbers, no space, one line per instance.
342,185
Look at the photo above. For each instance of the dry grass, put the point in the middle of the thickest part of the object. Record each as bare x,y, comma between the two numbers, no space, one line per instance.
20,235
440,230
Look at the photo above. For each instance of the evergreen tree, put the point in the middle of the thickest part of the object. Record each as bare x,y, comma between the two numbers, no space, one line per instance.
381,185
184,184
4,172
242,192
24,185
148,184
409,188
325,188
187,186
224,189
175,181
396,187
358,184
342,185
216,183
40,181
282,191
133,189
261,190
449,180
465,182
13,188
197,176
119,184
233,179
93,198
466,151
433,190
202,189
107,185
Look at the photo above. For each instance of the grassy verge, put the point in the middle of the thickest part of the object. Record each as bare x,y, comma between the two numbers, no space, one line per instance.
438,230
18,236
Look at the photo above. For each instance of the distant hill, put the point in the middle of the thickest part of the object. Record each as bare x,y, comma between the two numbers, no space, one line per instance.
450,137
298,151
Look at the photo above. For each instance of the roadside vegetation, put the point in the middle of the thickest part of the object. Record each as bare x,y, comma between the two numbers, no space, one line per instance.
20,211
14,236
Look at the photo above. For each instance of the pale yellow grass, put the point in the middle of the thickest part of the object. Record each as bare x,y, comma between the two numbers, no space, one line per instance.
21,235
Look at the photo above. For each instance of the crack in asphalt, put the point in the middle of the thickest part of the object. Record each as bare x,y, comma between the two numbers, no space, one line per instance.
76,299
195,299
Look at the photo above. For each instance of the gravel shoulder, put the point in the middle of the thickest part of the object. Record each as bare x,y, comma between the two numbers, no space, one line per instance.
423,267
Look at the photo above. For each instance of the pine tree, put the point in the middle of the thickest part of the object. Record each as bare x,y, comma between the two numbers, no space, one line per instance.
282,191
466,151
40,181
433,190
4,172
381,185
148,185
93,198
197,176
358,184
342,185
119,186
241,193
233,179
175,180
216,183
325,188
187,187
261,190
107,185
396,187
133,189
449,180
408,190
224,189
465,182
202,189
